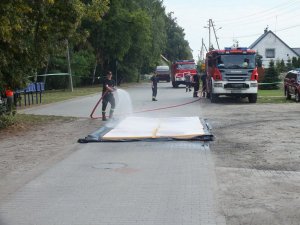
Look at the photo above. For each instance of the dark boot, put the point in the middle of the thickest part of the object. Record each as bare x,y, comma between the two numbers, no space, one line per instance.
104,117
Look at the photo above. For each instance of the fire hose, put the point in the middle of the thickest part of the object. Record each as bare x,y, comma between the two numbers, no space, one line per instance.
141,111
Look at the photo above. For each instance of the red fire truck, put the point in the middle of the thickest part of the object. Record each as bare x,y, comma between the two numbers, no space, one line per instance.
231,72
180,70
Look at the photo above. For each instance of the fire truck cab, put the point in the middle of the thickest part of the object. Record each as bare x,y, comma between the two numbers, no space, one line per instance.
231,72
180,70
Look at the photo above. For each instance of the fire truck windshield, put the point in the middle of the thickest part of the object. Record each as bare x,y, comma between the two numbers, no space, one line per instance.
186,66
236,61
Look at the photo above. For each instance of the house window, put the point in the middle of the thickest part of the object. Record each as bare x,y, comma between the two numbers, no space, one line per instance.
270,52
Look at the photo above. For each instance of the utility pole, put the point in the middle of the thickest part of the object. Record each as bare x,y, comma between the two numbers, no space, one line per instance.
205,47
209,34
46,70
202,50
69,66
215,33
211,25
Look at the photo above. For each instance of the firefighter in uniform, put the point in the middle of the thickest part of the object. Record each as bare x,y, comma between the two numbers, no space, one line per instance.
108,96
196,85
188,82
154,80
203,79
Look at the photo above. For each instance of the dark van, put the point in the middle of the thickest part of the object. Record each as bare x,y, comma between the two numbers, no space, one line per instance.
292,85
163,73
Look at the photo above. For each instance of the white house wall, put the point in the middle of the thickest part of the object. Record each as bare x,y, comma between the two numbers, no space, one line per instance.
281,50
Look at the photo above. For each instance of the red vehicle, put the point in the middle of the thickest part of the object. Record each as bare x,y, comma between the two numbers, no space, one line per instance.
180,70
292,85
231,72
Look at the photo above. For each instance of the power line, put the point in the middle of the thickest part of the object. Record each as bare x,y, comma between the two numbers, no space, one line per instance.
260,13
254,21
287,28
252,35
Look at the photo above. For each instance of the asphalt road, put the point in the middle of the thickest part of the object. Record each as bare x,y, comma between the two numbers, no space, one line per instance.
139,97
123,183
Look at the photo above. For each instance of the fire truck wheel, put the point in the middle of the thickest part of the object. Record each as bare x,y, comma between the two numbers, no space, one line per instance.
174,84
297,96
252,98
213,98
287,94
208,95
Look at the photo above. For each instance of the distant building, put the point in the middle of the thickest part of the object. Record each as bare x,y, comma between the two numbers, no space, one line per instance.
297,50
271,47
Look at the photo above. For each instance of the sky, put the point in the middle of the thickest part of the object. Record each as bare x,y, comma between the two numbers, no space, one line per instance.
236,20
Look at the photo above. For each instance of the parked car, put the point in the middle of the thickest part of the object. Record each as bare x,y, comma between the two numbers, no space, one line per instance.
163,73
292,85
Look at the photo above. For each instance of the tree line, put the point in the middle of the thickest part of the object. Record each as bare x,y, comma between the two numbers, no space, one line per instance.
127,37
273,75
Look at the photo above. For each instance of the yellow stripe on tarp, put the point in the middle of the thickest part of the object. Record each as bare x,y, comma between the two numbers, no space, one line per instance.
154,132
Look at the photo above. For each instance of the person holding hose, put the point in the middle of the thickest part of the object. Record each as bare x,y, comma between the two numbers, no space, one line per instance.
108,96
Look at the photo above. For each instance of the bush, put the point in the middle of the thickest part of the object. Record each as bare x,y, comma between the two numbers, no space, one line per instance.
2,108
6,121
271,78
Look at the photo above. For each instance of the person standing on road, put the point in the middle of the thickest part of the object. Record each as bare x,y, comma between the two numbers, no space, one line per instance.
188,82
203,79
154,80
196,85
108,96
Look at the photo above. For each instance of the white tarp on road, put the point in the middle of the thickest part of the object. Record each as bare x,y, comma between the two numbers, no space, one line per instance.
143,127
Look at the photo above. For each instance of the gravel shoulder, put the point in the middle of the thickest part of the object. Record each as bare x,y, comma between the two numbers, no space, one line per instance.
27,152
257,155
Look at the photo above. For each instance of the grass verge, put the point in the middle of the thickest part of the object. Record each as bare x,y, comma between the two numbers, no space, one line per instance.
25,122
62,95
272,96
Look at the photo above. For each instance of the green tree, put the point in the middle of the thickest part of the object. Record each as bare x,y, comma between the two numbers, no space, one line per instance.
294,62
30,31
141,45
298,63
158,34
131,34
128,36
280,66
82,66
289,65
14,42
177,46
112,37
271,77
